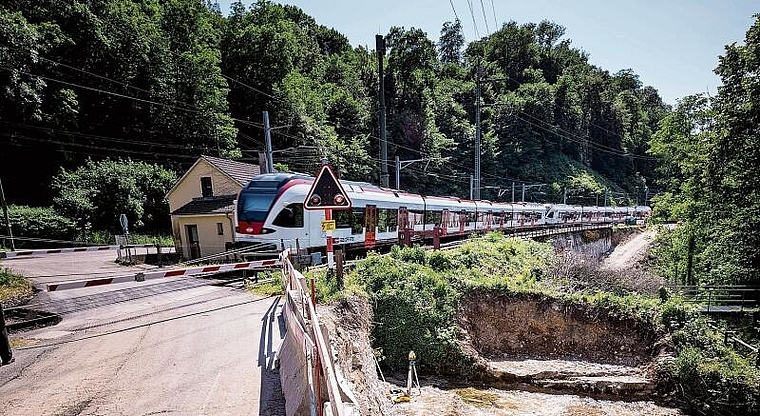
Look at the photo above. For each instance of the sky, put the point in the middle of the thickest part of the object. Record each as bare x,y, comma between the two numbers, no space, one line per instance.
672,45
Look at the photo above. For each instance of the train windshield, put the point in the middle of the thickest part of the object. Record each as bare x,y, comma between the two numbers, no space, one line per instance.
254,204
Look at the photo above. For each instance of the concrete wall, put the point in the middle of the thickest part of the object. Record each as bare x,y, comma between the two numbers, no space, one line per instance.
210,240
190,186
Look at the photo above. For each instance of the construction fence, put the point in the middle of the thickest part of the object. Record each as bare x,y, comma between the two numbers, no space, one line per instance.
311,381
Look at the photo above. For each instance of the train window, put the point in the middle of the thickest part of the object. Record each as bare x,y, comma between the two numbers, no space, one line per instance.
387,220
342,218
416,217
357,222
290,217
433,217
353,219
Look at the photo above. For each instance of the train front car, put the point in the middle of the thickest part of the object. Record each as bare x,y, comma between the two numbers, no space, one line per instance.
270,210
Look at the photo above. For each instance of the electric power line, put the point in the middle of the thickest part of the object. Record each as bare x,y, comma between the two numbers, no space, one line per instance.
472,13
454,9
485,19
495,22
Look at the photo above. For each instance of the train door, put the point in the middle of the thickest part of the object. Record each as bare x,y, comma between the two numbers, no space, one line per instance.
489,220
370,226
444,227
403,218
522,218
501,220
462,220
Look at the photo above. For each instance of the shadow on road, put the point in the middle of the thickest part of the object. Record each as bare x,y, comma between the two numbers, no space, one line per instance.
271,399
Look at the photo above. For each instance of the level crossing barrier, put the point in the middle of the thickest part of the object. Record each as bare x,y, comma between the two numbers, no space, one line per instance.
157,274
68,250
300,314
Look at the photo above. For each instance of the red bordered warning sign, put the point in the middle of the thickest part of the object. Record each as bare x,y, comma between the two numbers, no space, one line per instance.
326,192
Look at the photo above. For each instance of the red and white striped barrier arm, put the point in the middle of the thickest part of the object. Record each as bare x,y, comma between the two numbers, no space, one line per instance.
219,268
45,252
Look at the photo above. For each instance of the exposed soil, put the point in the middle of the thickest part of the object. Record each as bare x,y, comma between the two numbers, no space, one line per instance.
498,326
631,252
348,323
589,374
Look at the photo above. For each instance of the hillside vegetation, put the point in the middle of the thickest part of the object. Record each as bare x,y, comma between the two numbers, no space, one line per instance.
167,81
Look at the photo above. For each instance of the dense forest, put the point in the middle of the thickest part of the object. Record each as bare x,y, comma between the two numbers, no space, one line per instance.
166,81
162,82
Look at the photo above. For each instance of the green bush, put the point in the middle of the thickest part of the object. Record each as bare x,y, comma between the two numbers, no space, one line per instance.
39,222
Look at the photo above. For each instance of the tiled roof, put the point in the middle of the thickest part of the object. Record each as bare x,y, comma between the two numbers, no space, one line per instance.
211,205
241,172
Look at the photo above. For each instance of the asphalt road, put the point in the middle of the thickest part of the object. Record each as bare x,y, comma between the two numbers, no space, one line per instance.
174,346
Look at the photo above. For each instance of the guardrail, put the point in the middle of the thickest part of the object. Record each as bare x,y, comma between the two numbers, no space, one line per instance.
722,298
301,315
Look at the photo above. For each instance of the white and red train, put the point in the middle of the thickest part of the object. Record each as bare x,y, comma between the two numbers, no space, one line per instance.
270,210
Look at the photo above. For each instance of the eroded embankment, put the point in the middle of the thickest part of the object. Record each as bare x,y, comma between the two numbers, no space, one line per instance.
525,345
550,345
535,326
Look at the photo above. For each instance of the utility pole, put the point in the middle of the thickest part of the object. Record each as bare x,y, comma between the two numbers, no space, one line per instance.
477,132
605,197
513,192
523,194
268,139
471,187
646,196
7,219
380,46
398,173
564,196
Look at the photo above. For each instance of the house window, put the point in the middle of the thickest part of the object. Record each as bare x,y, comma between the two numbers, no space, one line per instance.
206,189
219,228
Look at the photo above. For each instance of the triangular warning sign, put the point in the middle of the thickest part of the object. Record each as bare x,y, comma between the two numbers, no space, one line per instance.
326,192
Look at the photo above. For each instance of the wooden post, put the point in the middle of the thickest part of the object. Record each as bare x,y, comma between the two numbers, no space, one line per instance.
339,253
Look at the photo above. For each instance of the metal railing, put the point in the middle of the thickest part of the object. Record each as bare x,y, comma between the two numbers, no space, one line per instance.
722,298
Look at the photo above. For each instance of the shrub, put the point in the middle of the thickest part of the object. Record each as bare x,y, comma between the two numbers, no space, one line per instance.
39,222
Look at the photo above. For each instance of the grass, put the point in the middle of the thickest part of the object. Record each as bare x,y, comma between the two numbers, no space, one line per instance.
13,285
476,397
23,342
271,285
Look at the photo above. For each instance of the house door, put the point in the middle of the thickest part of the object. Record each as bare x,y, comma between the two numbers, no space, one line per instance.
193,243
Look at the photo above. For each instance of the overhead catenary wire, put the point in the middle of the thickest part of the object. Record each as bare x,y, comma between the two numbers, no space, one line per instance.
454,9
617,135
474,24
485,19
495,21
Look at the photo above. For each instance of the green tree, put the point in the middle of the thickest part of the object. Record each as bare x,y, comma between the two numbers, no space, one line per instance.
99,192
451,43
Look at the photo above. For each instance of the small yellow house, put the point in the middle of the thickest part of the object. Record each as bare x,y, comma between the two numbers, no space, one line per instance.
201,204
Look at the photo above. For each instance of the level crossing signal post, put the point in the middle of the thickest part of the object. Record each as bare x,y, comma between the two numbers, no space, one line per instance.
327,194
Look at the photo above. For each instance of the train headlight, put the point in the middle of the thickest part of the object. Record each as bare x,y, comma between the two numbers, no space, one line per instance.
249,229
339,199
315,200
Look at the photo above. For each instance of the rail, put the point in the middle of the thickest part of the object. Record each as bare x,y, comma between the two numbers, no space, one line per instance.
301,304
